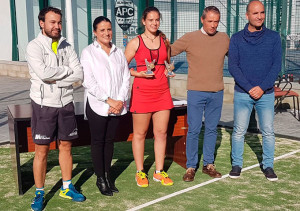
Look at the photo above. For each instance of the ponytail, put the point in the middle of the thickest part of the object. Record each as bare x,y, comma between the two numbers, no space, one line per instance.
167,43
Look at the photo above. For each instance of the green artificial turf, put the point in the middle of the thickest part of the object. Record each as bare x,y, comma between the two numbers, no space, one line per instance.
250,192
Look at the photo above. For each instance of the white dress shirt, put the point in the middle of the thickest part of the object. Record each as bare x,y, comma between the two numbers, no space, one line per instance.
104,76
202,30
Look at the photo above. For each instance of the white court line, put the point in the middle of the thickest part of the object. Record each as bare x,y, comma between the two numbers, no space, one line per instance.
202,184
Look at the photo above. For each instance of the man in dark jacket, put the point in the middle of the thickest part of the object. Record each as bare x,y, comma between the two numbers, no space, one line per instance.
254,62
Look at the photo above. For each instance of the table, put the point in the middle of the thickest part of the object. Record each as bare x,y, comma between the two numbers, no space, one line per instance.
21,140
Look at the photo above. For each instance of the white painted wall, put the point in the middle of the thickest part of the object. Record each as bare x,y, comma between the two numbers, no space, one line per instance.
5,32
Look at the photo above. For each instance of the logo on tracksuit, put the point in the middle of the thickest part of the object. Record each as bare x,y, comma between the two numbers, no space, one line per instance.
41,137
74,132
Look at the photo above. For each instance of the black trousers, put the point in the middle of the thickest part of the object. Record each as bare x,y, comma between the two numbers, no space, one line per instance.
103,132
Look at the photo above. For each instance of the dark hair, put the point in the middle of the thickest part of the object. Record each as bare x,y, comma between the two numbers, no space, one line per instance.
148,10
44,11
99,20
158,33
210,9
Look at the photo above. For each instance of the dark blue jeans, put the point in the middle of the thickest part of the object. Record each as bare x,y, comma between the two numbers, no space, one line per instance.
209,104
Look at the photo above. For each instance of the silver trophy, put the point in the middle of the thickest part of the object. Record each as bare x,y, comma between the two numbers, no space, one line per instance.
149,66
170,67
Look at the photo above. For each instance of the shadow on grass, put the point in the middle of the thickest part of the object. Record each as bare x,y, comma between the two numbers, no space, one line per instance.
201,142
81,156
218,142
27,175
150,160
27,171
124,156
229,130
87,173
253,142
182,146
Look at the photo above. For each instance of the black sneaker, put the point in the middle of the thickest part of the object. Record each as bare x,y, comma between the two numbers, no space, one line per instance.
270,174
235,172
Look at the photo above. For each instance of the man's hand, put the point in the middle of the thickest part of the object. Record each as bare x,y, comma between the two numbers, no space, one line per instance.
256,92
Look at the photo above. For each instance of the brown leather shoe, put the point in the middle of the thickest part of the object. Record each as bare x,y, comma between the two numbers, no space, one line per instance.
210,169
189,175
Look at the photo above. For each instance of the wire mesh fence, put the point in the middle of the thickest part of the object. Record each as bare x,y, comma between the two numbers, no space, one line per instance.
178,18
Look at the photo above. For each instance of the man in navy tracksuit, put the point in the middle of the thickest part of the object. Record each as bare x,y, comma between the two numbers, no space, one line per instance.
254,62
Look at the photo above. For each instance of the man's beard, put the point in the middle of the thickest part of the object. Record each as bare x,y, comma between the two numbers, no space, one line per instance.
49,34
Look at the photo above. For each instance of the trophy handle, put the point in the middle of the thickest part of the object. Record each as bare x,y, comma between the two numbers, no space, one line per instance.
166,63
146,61
153,61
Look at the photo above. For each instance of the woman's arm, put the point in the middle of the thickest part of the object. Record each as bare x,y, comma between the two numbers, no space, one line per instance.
130,52
89,81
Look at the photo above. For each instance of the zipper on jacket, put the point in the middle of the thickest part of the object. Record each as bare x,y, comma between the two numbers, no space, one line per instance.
42,94
61,98
62,63
57,61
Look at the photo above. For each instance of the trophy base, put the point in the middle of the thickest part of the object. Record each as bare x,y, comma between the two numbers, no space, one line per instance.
149,72
170,73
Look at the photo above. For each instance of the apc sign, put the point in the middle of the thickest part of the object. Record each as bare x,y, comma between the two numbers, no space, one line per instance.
124,12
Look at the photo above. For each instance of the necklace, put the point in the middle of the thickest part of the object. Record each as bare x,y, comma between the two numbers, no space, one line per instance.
149,37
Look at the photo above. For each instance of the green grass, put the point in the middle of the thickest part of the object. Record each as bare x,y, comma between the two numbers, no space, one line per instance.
250,192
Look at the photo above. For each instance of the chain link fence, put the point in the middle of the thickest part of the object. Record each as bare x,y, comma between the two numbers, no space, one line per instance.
178,18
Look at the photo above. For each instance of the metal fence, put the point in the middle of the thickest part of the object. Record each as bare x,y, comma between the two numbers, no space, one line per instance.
178,17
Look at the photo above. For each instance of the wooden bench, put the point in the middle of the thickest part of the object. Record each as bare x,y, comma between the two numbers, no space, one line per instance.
21,140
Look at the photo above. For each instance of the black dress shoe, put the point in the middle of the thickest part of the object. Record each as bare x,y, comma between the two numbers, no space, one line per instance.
111,185
103,186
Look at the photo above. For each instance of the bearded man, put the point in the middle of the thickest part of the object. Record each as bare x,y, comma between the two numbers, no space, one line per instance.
53,67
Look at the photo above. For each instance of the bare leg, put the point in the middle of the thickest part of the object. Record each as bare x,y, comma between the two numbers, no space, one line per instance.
140,128
40,164
160,126
65,159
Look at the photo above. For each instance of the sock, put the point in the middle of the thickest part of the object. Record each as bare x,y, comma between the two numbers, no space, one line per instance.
40,189
66,184
158,171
